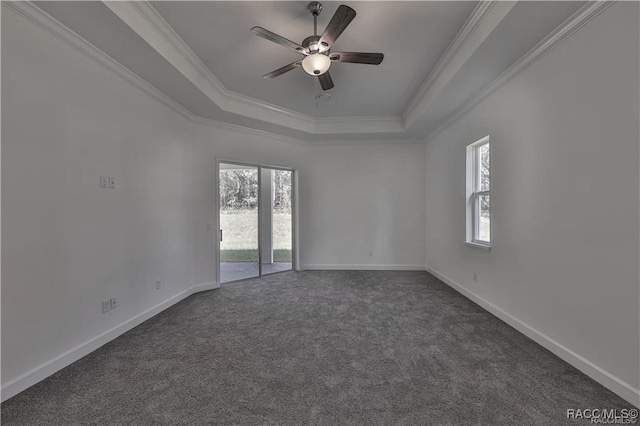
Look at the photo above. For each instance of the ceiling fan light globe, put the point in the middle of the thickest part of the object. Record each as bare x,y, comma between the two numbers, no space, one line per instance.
316,64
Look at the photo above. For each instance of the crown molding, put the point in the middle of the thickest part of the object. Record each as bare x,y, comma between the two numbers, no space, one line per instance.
367,142
145,20
477,15
325,126
484,19
307,143
555,38
256,132
359,125
53,27
226,99
162,27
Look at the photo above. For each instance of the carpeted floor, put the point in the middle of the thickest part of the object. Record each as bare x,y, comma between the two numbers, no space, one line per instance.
317,347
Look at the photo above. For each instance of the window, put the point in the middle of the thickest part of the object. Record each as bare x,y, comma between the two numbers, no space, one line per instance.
478,194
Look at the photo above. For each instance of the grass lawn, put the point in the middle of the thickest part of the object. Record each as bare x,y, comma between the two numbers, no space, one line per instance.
240,237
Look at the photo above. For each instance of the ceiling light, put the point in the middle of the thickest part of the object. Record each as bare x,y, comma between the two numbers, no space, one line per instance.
316,64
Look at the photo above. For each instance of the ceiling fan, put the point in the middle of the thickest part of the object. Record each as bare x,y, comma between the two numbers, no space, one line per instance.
317,49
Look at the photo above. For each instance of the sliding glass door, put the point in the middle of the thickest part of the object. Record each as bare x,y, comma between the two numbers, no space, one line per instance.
277,220
239,198
256,221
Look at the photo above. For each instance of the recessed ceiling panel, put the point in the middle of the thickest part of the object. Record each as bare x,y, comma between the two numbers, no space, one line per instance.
412,36
367,102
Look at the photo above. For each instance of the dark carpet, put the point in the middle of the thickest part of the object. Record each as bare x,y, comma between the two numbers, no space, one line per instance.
321,348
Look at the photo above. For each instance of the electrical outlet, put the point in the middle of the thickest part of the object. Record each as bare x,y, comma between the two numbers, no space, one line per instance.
158,284
475,276
104,182
106,305
370,254
112,182
114,302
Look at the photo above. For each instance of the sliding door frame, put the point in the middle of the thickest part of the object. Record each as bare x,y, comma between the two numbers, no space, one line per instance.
294,213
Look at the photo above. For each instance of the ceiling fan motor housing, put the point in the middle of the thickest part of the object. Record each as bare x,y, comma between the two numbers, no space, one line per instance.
317,62
313,44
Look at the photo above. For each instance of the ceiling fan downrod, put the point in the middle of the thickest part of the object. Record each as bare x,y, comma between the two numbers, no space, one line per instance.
317,62
315,7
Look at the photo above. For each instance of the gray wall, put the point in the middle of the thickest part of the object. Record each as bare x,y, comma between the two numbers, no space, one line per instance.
67,244
564,200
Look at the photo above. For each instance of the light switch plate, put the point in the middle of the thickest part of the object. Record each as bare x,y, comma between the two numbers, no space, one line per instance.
112,182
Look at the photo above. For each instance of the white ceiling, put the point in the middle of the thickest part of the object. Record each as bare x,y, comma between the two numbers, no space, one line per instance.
412,36
439,55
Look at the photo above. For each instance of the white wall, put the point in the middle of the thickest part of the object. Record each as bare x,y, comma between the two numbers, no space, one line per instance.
364,206
565,189
565,200
353,200
67,244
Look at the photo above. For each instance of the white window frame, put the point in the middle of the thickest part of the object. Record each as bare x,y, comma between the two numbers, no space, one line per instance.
473,194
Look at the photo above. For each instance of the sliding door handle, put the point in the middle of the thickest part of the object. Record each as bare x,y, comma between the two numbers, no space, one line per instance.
221,235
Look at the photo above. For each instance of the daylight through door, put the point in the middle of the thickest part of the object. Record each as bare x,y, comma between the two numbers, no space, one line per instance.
256,221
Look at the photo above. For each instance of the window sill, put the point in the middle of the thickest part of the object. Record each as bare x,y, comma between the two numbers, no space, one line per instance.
478,246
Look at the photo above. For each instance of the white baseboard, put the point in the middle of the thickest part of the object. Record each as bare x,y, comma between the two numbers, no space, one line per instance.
363,267
204,287
50,367
606,379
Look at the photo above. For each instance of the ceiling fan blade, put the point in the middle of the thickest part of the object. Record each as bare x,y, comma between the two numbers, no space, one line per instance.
325,81
261,32
280,71
343,17
357,57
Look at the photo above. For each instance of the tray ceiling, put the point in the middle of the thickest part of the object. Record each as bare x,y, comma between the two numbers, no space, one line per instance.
439,56
412,36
